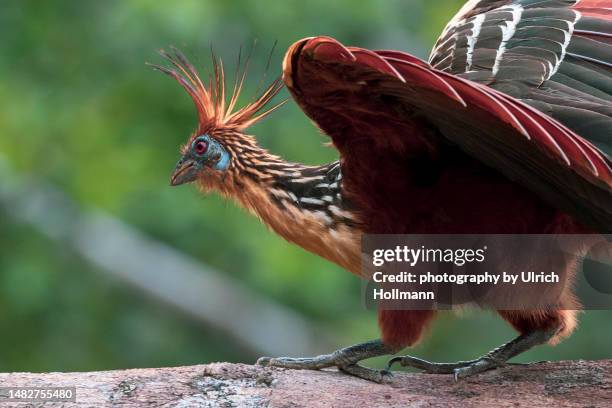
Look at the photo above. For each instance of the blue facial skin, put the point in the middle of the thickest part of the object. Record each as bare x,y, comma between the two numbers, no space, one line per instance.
216,156
188,167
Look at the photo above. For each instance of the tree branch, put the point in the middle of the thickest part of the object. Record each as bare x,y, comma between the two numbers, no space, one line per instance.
565,383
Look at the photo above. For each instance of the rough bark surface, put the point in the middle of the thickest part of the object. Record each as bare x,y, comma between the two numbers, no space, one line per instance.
558,384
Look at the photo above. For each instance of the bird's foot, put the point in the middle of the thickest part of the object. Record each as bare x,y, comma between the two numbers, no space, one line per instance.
460,369
326,361
346,360
494,359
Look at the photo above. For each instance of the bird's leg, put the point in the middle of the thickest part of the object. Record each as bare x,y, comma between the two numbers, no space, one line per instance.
345,359
493,359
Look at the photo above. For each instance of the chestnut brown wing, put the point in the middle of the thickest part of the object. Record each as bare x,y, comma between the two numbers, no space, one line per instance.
396,103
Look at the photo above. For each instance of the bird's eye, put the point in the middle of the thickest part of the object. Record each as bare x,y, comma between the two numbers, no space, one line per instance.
200,147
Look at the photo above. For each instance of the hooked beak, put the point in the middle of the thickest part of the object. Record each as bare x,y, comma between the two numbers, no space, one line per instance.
185,172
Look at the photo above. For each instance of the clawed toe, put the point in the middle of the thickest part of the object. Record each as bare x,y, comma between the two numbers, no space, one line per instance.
377,376
464,372
426,366
390,363
263,361
327,361
461,369
346,360
478,366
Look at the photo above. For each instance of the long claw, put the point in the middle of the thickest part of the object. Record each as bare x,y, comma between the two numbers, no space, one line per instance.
391,362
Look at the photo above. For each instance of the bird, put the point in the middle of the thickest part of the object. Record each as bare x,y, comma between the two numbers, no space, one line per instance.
505,129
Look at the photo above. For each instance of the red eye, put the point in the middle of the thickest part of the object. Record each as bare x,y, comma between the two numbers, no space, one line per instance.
200,147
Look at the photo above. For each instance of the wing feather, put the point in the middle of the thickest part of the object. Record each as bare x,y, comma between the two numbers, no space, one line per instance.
351,84
560,49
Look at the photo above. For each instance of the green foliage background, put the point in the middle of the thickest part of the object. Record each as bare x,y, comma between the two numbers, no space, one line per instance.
81,110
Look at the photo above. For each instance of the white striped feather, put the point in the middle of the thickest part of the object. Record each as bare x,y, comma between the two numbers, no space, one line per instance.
508,31
311,200
568,39
473,38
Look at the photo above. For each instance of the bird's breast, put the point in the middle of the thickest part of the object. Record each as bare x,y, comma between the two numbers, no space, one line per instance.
320,224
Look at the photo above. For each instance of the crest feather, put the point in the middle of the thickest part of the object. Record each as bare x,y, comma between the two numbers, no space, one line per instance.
210,101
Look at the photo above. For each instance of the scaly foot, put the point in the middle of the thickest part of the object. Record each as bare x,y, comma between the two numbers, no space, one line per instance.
345,360
494,359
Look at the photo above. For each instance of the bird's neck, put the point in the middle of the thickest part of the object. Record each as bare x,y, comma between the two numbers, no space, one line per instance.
303,204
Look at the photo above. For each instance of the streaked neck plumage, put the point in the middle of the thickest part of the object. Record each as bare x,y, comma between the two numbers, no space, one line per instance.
303,204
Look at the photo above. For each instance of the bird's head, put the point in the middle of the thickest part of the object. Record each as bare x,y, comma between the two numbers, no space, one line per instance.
203,156
219,144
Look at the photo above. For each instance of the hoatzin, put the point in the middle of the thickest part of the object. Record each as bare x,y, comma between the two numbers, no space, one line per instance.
506,129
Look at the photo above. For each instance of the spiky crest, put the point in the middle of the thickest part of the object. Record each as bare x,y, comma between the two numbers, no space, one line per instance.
304,204
210,101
